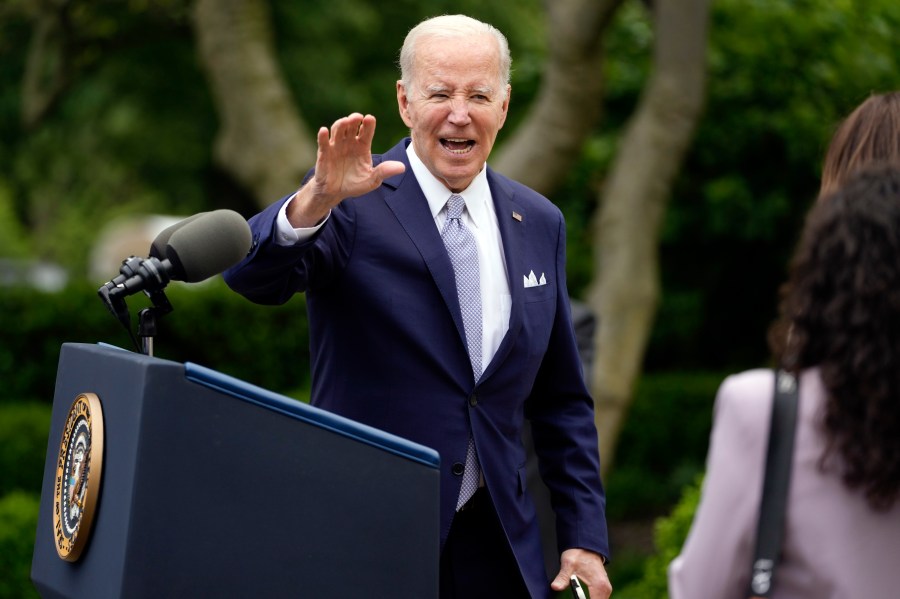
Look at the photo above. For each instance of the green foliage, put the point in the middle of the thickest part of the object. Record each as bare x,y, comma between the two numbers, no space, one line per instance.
670,534
130,132
774,100
23,445
13,239
663,442
134,127
782,74
18,523
210,325
331,80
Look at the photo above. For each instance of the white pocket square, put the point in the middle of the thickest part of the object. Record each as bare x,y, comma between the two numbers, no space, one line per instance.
533,281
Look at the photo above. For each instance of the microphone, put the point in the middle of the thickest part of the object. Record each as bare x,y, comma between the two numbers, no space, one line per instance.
158,247
191,250
208,245
131,264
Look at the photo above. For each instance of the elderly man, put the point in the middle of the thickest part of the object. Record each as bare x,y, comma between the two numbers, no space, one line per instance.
439,312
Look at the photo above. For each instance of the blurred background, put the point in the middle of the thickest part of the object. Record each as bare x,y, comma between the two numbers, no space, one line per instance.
681,138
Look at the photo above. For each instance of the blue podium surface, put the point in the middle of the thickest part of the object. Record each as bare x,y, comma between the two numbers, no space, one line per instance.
213,487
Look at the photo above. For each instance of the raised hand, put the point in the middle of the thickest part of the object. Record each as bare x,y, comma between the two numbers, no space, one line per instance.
343,169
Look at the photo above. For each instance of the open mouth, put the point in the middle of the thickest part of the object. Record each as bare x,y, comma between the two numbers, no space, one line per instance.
457,145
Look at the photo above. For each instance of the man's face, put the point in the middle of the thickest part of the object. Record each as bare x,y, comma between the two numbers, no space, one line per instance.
455,105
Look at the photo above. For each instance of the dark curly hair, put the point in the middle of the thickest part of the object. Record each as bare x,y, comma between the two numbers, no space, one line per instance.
840,311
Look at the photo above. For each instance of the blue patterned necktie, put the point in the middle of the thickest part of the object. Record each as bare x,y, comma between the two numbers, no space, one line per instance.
464,255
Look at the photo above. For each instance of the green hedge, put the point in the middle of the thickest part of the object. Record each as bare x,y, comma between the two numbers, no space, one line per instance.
663,443
18,524
210,325
23,445
669,535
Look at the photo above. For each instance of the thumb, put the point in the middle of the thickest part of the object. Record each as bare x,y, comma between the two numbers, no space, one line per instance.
389,168
561,582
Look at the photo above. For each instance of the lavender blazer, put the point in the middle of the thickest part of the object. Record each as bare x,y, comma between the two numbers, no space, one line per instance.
835,546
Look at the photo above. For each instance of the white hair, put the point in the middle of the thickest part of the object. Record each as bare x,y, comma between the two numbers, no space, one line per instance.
451,26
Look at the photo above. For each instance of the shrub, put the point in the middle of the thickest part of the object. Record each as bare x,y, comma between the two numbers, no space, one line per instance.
670,533
663,443
23,446
210,325
18,523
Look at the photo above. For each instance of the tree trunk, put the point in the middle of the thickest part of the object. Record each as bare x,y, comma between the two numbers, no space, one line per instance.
625,287
549,140
48,67
262,142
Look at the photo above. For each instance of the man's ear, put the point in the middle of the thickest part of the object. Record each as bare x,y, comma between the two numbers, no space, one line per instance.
403,104
505,106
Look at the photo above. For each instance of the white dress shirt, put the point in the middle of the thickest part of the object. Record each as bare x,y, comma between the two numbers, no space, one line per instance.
481,219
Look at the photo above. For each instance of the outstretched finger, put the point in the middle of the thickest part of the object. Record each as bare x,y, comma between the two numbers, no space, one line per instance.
346,128
367,130
323,150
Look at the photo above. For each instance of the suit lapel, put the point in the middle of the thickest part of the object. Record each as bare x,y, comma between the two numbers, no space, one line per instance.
511,218
405,199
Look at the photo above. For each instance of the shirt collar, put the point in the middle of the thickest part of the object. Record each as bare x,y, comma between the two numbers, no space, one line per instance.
476,195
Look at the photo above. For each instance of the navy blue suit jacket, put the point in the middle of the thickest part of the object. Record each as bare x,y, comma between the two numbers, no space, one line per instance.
388,350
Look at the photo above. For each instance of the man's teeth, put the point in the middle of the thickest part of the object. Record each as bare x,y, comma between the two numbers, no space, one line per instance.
458,146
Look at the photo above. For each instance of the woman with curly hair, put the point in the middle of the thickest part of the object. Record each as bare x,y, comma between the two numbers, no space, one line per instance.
839,333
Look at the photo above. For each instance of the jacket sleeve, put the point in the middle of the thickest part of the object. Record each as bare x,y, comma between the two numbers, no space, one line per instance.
561,412
715,559
272,273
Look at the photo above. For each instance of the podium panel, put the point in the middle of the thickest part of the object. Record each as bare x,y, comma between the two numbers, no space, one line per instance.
212,487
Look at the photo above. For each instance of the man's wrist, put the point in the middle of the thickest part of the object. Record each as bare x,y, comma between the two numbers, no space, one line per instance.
287,234
307,209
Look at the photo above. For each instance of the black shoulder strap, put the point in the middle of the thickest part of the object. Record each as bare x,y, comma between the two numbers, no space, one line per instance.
770,527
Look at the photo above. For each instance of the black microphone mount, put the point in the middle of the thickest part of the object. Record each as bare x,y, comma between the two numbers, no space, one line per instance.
150,275
191,250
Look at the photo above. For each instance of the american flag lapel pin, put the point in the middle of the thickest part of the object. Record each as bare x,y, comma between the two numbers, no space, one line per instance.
517,216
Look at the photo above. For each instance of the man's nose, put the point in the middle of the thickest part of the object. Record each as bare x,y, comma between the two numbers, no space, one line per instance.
459,111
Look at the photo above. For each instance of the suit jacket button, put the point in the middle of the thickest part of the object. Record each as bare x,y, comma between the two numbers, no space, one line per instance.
473,400
458,468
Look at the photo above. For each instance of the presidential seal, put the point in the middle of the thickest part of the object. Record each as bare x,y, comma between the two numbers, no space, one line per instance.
78,469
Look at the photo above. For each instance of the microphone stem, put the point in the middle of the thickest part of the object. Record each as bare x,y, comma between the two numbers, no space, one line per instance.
147,329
